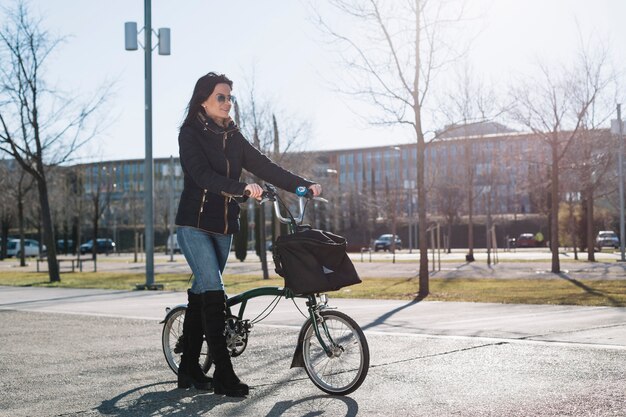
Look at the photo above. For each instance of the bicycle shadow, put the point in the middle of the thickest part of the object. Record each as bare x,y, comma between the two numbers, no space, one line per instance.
316,405
178,402
158,402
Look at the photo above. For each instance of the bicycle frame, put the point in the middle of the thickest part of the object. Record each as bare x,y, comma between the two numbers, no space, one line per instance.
312,304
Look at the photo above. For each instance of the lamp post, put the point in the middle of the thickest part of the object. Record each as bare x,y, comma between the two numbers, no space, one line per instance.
163,35
617,127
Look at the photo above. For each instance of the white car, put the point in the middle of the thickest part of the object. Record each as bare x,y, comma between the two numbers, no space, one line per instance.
607,238
31,248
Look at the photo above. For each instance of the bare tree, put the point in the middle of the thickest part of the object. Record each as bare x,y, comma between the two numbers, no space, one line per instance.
448,198
7,205
258,122
393,55
589,160
469,101
38,127
554,106
21,194
99,194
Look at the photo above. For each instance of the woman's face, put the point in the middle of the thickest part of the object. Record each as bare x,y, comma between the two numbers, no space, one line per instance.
218,105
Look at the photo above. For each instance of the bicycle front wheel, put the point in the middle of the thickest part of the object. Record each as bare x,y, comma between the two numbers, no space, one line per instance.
172,341
344,369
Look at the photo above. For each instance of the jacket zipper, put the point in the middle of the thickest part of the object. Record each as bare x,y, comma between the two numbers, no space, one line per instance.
227,196
226,199
201,207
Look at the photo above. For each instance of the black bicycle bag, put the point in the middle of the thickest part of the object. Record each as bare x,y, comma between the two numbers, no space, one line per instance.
313,261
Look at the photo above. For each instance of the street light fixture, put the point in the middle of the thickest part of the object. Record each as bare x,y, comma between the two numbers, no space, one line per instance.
131,42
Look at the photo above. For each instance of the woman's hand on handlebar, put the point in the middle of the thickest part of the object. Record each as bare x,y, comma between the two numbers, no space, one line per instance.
316,189
254,191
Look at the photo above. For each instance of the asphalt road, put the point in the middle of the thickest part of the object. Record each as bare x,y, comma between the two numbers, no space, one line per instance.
68,352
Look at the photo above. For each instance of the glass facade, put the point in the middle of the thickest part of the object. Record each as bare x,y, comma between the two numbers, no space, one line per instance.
499,170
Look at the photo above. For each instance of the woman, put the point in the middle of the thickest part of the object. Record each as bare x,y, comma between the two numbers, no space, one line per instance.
212,154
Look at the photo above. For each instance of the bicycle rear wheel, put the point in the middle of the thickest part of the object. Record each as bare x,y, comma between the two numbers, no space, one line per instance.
345,369
172,343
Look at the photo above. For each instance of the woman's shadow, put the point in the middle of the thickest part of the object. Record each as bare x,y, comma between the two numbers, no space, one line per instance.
154,400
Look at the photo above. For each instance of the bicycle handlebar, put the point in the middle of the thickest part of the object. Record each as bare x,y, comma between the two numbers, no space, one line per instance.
303,193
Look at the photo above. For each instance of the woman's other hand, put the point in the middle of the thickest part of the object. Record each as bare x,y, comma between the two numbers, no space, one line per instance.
254,191
316,189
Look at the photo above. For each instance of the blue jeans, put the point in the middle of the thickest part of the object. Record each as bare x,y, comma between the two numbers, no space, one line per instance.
206,253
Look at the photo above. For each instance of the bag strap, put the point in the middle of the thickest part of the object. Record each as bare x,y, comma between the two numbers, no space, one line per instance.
278,265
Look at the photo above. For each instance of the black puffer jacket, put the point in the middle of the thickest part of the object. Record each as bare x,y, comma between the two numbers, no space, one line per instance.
212,158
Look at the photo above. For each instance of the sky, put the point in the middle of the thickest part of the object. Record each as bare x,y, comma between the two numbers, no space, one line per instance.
276,43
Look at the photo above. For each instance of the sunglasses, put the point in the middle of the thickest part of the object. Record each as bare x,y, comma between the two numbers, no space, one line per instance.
221,98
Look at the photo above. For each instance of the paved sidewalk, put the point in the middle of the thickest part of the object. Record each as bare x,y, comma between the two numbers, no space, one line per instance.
546,323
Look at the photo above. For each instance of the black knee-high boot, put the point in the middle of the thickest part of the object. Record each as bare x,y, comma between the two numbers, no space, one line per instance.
189,371
214,314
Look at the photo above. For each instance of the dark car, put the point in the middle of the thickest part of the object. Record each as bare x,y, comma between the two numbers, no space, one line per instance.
526,240
104,246
384,243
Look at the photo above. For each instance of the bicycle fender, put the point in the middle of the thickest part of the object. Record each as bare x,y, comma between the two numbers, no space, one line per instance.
298,359
172,311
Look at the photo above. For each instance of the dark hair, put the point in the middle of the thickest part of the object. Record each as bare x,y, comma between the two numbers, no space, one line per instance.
203,89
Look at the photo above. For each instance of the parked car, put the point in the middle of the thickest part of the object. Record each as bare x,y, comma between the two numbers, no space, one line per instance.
31,248
104,246
172,243
607,238
526,240
384,243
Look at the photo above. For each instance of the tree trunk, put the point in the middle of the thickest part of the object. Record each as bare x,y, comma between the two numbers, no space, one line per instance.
449,245
572,228
591,256
424,289
20,225
48,230
470,202
554,210
6,224
94,246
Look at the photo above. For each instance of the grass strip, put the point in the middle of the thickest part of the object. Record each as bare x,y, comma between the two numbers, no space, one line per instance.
510,291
